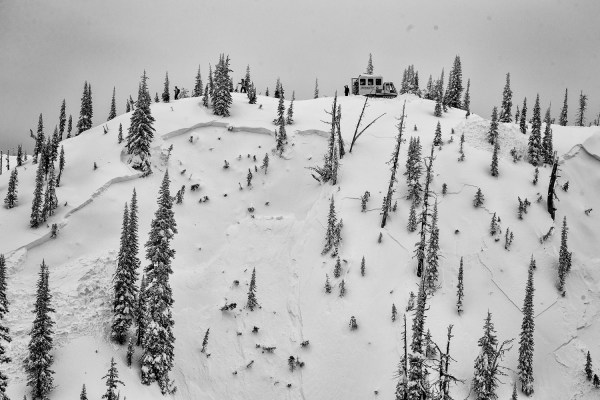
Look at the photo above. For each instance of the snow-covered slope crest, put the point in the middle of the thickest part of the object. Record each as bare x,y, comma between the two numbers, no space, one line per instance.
277,226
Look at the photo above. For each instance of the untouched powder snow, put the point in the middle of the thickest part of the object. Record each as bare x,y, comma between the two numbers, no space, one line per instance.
220,241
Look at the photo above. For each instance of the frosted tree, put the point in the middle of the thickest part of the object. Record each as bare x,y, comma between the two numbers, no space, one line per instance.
86,112
588,367
158,341
113,107
417,373
11,199
535,139
363,266
112,380
369,69
39,359
69,126
547,145
211,81
280,112
140,311
19,156
205,341
564,257
437,136
166,96
50,199
455,86
329,171
39,140
333,229
493,131
421,244
4,330
327,284
467,100
198,87
221,98
460,288
563,119
36,204
494,166
289,119
251,94
316,93
387,201
437,111
526,341
433,249
523,120
580,118
205,98
247,80
517,115
506,109
479,198
61,165
252,303
414,170
487,364
141,129
82,396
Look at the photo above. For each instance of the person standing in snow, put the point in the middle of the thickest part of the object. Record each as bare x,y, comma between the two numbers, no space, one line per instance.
243,85
346,90
176,92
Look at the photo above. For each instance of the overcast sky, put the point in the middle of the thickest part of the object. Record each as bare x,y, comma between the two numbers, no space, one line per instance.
49,48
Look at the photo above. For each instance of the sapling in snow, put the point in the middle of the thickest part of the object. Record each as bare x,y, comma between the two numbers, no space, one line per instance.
353,325
362,267
342,287
479,198
363,201
327,284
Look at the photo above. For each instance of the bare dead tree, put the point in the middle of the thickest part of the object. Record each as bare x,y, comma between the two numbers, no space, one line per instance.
387,202
420,251
551,191
356,132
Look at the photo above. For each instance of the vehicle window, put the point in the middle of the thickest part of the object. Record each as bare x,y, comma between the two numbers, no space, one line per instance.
370,81
363,81
378,81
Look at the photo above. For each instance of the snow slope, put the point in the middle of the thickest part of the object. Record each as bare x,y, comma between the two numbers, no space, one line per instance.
220,241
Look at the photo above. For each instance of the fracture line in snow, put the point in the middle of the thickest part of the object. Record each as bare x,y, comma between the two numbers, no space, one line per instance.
494,282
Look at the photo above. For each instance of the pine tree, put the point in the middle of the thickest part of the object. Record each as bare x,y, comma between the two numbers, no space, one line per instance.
69,126
494,226
387,203
252,303
205,101
505,112
11,199
494,166
113,106
127,106
62,118
50,199
535,140
140,311
588,367
526,341
433,248
158,340
251,94
370,65
112,380
329,171
332,228
581,111
547,145
342,286
53,151
141,129
327,284
82,396
467,100
85,114
39,140
414,170
517,115
363,266
421,244
36,205
493,132
487,364
61,165
479,198
437,137
197,92
120,135
455,87
437,111
460,288
205,341
39,361
564,257
316,94
563,114
222,96
290,111
523,121
337,270
514,392
166,96
247,80
412,217
280,112
211,82
19,156
130,352
417,374
4,330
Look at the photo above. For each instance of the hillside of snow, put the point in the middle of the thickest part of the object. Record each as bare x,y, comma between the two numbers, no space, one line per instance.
220,241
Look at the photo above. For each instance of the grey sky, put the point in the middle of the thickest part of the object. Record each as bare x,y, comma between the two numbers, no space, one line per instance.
48,48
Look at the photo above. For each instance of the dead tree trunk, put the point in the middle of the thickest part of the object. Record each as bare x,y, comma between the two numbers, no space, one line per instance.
424,215
387,203
551,193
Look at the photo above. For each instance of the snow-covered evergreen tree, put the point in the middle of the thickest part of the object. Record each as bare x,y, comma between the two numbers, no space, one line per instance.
329,171
333,229
86,112
493,132
506,109
247,80
50,199
221,99
158,341
39,359
437,111
455,86
36,204
479,198
588,367
289,119
11,199
517,115
61,165
327,284
69,126
526,341
494,166
113,106
580,118
140,311
39,140
316,93
433,249
535,139
414,170
252,303
141,129
564,257
363,266
112,380
547,145
437,136
563,119
166,94
467,100
460,288
198,87
205,341
62,118
523,120
4,330
369,69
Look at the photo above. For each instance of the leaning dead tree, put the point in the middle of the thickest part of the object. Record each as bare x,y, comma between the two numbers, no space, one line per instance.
387,200
551,191
445,378
420,250
329,171
356,132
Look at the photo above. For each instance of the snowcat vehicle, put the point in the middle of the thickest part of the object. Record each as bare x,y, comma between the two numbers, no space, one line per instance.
373,86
